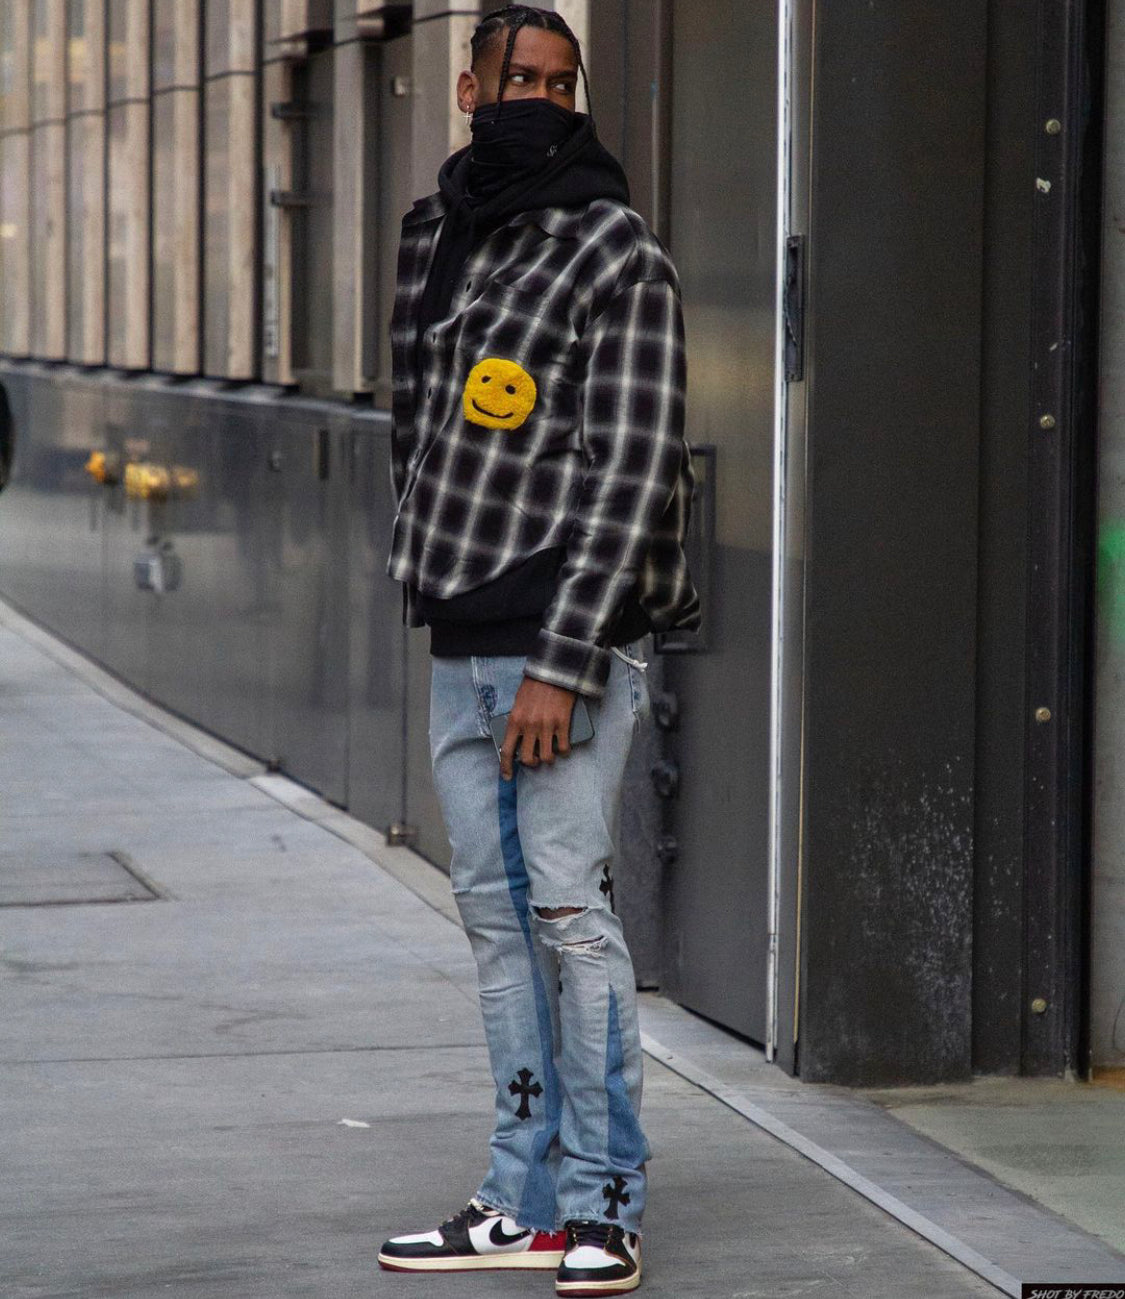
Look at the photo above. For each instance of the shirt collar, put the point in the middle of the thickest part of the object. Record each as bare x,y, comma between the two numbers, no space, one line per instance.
425,209
563,223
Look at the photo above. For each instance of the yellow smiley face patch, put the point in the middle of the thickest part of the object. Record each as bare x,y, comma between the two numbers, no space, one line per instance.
499,394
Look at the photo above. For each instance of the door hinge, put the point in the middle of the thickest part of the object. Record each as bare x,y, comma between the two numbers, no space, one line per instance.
794,308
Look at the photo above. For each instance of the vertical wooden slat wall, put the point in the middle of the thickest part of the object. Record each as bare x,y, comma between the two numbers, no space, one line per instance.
353,206
176,186
277,222
577,16
48,179
15,189
129,185
230,244
442,32
85,190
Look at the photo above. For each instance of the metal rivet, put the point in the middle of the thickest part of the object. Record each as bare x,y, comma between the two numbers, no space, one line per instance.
1039,1005
1042,714
1046,421
1054,126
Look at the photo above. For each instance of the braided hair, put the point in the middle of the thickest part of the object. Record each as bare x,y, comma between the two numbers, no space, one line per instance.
514,17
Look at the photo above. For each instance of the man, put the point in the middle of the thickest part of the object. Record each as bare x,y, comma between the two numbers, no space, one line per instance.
543,486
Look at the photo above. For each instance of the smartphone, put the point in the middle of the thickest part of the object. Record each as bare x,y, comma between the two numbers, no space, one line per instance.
581,728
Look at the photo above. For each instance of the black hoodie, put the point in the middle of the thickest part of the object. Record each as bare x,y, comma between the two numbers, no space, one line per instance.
478,201
504,616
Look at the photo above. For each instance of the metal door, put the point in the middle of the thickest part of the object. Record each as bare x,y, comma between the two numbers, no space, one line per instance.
724,173
304,529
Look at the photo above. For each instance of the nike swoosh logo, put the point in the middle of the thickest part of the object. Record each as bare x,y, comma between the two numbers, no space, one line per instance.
500,1237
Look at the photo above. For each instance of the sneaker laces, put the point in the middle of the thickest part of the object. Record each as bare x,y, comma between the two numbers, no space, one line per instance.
474,1209
598,1234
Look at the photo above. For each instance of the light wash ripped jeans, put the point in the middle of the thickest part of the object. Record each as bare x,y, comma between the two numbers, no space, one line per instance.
558,997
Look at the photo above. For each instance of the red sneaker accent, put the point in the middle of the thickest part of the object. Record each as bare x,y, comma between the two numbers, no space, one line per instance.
548,1240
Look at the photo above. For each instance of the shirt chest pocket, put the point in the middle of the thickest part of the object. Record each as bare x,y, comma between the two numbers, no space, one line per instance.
510,324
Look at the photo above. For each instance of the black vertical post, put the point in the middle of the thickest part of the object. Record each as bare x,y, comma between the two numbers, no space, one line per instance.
1001,666
893,372
1061,459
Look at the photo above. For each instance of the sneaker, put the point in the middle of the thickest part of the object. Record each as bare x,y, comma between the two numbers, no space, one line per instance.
477,1238
601,1258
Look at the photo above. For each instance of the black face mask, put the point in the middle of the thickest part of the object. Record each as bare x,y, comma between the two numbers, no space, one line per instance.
516,141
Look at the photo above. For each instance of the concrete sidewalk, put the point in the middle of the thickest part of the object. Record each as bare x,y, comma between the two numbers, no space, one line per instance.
237,1051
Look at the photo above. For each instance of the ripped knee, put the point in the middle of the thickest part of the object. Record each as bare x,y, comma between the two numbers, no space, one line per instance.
571,929
557,913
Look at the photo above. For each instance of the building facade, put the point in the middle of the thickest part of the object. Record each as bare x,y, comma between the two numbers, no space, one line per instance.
875,826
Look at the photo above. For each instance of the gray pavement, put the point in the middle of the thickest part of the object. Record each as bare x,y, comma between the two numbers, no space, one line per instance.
267,1056
1061,1142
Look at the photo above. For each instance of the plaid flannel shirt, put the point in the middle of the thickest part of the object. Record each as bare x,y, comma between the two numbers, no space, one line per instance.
547,409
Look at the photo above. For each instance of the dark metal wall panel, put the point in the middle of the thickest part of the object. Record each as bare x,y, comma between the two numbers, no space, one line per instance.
252,641
624,60
894,392
716,894
722,235
422,809
630,79
1002,522
303,528
51,562
210,637
658,72
377,647
638,893
128,433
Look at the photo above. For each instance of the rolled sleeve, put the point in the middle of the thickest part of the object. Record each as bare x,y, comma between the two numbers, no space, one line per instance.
574,664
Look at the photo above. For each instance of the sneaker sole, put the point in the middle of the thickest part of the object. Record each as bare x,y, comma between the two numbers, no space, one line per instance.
540,1261
578,1289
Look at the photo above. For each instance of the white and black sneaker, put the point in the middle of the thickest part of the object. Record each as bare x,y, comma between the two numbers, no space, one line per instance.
601,1258
475,1239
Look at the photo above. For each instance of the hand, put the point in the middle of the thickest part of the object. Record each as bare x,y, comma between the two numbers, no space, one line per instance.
541,712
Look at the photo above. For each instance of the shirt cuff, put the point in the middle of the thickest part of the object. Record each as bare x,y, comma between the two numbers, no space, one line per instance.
573,664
